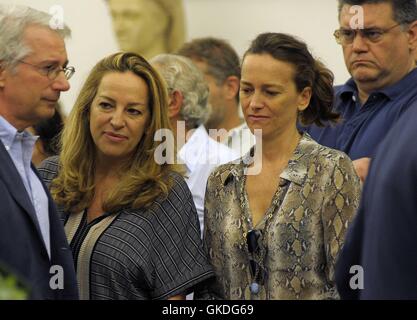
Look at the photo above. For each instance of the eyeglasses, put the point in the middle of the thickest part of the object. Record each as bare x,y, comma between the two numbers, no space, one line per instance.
346,36
51,71
253,242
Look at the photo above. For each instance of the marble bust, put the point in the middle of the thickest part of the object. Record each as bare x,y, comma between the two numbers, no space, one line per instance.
148,27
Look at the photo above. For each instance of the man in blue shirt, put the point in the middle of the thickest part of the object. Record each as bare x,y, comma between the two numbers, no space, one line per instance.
379,56
33,72
379,257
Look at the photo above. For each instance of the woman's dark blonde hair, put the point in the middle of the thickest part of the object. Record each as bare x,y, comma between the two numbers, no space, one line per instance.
309,72
142,180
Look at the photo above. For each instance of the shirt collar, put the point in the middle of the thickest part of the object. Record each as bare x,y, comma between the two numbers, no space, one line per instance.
195,145
295,171
8,133
348,87
407,83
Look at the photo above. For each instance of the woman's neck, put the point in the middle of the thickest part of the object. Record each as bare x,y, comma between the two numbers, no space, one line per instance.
108,168
280,148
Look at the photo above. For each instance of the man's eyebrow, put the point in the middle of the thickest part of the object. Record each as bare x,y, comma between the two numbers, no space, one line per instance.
364,28
54,62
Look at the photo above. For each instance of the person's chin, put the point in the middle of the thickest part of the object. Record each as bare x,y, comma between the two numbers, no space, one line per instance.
42,113
127,46
48,109
256,126
49,103
113,152
364,75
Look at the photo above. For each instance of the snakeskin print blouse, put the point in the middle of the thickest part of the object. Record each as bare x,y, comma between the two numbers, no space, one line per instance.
300,235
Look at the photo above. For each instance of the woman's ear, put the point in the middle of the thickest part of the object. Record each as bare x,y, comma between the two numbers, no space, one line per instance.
304,98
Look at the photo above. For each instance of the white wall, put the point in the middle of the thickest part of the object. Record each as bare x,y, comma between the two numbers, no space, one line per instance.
237,21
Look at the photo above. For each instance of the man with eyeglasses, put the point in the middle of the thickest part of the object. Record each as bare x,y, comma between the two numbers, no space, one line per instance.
379,57
33,72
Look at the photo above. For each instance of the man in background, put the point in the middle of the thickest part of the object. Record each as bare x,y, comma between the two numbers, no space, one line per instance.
380,58
220,65
33,73
188,109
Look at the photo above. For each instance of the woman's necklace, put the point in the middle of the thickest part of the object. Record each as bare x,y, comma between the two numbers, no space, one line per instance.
257,257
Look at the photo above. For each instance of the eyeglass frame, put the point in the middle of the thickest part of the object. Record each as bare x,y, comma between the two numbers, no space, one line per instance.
252,241
364,32
46,71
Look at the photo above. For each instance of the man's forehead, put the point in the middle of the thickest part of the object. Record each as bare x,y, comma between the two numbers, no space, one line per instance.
370,14
44,43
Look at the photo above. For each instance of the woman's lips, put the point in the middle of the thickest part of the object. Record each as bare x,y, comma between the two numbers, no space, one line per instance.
257,118
115,137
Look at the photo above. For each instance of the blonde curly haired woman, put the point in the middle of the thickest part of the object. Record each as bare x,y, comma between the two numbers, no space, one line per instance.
131,223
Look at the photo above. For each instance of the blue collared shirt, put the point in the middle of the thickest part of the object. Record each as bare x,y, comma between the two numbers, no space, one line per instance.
20,145
364,127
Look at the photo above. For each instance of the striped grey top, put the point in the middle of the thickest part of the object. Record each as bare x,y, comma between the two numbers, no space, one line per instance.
137,254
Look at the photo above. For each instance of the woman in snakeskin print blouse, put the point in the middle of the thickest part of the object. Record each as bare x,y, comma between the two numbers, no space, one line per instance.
275,222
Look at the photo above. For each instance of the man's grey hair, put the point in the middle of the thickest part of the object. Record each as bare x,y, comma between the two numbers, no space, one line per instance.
405,11
13,22
182,75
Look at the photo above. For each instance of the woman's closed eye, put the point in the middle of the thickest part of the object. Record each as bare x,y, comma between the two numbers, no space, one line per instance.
105,105
246,90
134,111
272,93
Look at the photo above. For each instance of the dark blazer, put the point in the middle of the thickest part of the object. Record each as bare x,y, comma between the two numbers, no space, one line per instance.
22,250
382,238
